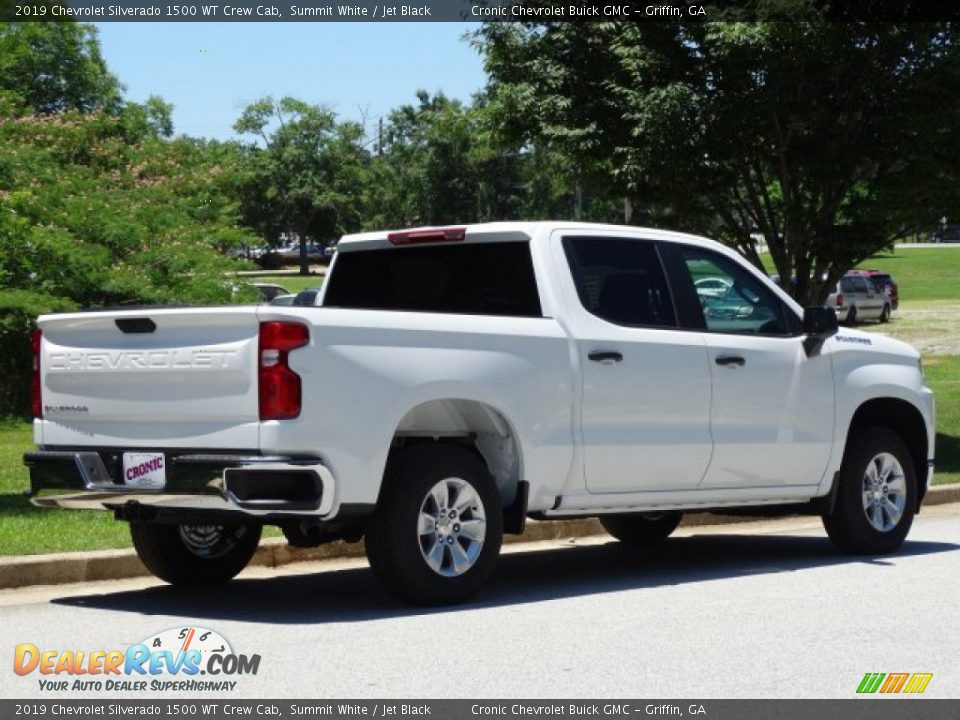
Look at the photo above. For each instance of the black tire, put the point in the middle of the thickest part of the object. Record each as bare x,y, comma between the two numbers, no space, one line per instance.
852,316
885,314
641,528
193,554
398,552
848,526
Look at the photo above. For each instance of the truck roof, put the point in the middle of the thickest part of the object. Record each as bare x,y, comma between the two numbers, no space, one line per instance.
513,230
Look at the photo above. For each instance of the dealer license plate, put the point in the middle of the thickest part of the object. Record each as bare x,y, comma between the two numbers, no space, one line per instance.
147,471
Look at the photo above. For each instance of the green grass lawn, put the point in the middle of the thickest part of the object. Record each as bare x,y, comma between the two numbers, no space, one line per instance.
25,529
922,274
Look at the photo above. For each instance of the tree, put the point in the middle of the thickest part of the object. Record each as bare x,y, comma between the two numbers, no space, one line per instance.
424,174
152,118
308,177
56,66
828,140
441,162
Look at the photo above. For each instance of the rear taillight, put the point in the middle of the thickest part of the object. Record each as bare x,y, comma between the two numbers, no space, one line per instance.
839,299
280,392
36,393
429,235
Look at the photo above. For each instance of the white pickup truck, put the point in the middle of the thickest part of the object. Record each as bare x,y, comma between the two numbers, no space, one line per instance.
452,382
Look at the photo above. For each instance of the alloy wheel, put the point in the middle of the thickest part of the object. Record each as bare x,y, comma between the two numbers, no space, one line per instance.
884,492
452,526
207,541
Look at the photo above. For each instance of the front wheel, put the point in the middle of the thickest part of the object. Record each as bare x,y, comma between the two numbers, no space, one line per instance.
641,528
435,536
195,554
877,495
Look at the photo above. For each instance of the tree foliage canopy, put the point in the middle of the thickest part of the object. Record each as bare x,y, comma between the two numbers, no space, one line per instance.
425,173
56,66
91,213
829,140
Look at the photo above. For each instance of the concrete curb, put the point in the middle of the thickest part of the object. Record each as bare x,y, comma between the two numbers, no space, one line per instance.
62,568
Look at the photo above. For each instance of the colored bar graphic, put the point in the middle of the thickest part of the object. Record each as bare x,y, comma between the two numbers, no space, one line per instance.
894,683
870,683
918,683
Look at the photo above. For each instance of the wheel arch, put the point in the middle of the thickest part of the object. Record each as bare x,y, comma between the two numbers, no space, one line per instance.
903,418
474,424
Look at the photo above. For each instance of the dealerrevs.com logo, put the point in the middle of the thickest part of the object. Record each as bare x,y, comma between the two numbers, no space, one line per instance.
187,659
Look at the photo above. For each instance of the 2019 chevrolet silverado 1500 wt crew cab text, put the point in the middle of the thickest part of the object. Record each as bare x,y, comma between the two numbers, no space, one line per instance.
451,382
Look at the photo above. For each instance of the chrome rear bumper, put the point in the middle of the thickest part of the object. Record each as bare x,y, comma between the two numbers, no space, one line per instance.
255,486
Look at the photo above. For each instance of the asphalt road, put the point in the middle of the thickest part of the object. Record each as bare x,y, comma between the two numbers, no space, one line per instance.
760,610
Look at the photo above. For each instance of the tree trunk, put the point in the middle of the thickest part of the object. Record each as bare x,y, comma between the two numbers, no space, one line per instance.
304,259
577,198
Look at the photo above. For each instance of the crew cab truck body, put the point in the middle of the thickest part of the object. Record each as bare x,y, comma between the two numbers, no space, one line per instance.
451,382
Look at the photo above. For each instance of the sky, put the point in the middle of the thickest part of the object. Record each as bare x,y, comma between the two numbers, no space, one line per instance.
210,71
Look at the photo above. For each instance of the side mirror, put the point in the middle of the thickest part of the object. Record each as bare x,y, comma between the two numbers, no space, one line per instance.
819,323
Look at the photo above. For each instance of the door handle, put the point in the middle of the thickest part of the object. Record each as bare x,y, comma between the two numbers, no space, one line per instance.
605,356
730,360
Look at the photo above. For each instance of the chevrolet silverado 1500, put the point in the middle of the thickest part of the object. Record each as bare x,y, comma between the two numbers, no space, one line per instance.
451,382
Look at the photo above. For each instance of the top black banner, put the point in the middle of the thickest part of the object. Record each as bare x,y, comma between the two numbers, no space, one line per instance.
525,11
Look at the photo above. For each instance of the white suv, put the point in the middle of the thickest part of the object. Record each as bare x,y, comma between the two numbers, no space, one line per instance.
858,298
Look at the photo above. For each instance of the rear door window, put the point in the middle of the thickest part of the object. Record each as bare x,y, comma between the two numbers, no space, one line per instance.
620,280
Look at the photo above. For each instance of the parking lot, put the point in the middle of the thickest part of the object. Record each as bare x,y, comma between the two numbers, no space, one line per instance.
762,609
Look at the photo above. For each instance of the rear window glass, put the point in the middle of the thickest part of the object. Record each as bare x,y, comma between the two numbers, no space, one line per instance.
472,279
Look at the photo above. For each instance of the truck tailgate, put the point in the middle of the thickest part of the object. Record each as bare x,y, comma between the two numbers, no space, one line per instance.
181,378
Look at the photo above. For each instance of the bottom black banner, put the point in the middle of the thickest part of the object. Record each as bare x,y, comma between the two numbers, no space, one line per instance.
866,708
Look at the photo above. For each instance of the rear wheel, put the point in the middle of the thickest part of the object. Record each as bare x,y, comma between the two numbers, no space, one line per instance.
195,554
641,528
852,315
877,495
885,314
435,536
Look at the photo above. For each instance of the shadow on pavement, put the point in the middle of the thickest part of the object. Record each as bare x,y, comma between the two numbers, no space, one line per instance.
353,595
